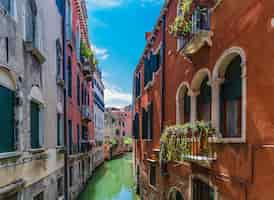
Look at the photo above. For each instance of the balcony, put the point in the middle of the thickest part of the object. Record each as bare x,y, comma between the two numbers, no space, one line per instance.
86,114
190,142
199,31
196,41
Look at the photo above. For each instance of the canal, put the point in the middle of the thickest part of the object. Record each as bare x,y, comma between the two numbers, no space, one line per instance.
112,181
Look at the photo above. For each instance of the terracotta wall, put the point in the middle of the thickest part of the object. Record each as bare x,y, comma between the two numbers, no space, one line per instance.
241,170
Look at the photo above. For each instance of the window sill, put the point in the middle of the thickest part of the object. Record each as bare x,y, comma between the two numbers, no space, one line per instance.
222,140
10,155
37,151
149,85
60,149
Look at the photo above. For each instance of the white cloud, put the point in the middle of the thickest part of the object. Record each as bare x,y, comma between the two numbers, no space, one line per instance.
115,97
101,53
97,4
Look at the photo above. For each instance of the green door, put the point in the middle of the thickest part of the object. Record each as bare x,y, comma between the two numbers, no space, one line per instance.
6,120
34,118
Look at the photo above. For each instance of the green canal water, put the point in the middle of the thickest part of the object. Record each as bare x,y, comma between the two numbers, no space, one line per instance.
112,181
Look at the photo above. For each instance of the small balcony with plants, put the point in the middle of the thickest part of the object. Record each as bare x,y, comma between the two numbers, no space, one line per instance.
88,61
190,142
192,26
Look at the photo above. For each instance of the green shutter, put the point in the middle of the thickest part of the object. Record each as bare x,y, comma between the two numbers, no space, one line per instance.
58,129
34,109
70,136
7,120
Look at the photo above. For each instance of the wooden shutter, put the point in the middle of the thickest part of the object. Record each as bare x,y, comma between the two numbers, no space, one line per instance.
7,120
34,125
150,121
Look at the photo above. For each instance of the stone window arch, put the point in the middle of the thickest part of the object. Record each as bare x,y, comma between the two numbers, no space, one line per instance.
183,112
175,194
201,96
229,82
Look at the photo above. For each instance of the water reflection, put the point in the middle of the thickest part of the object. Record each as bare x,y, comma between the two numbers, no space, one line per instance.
113,181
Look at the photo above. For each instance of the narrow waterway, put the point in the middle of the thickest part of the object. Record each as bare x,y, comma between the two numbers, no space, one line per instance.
112,181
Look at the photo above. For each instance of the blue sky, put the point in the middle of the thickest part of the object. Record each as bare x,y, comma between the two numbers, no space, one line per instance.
117,32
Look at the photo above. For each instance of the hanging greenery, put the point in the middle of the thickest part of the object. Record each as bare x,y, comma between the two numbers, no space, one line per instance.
185,6
180,27
182,24
177,141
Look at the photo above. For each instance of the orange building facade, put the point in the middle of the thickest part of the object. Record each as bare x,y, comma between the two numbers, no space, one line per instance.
220,71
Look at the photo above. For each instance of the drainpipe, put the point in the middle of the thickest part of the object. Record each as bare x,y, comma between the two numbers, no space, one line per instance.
163,71
65,102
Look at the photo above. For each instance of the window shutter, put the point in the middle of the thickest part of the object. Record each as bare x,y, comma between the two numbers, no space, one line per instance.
34,109
143,123
41,127
198,19
7,120
150,121
194,22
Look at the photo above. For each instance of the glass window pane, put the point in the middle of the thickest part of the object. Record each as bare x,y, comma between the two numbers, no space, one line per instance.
232,117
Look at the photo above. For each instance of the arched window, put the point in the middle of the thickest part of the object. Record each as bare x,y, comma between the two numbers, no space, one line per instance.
175,195
231,100
204,101
183,105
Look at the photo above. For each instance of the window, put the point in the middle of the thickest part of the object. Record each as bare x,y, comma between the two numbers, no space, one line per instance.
201,19
231,100
175,195
138,85
150,121
39,196
31,21
78,138
60,186
204,102
69,77
60,141
58,57
68,20
144,124
6,4
183,105
70,176
124,133
152,175
136,126
201,190
7,120
78,90
36,125
70,135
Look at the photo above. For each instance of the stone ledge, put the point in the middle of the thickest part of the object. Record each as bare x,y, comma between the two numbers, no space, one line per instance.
12,188
10,155
37,151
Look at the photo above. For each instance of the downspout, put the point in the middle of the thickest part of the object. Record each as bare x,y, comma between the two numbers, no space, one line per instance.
163,72
65,102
